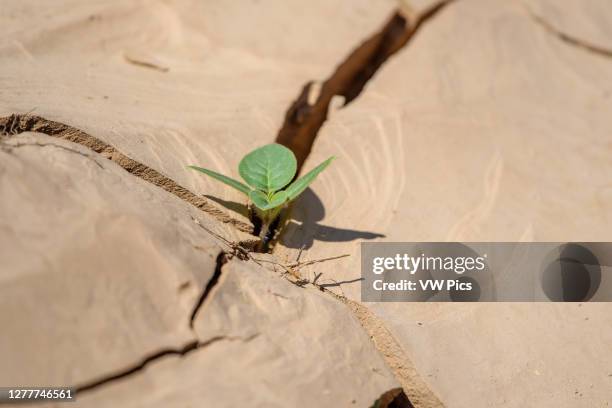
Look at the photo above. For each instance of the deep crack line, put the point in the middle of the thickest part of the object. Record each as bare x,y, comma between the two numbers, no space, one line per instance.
304,119
181,352
309,111
222,259
568,39
415,390
144,363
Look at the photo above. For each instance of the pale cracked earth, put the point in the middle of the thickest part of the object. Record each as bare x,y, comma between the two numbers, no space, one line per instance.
129,278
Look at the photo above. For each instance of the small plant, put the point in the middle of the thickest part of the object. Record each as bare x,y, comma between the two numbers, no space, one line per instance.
268,172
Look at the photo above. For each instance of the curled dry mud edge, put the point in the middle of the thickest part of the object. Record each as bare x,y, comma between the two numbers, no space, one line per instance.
14,124
302,123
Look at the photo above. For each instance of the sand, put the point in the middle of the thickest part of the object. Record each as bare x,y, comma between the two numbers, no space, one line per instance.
475,121
486,127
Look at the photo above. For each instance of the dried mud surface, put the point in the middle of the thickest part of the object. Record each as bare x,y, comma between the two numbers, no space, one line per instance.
452,120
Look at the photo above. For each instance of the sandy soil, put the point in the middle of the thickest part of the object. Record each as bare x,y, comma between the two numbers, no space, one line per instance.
488,126
469,120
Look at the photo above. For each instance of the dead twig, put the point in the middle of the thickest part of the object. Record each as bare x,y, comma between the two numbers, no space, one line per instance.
300,264
292,269
236,248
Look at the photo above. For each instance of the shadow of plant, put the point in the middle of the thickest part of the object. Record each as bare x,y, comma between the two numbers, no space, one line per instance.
304,228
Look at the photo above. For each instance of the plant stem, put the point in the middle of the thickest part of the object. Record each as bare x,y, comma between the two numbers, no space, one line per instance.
267,220
265,228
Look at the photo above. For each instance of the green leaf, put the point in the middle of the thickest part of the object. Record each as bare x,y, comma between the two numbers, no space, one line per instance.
268,168
261,200
279,198
224,179
298,186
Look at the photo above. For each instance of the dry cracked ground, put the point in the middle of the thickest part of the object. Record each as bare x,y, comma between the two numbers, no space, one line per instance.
133,280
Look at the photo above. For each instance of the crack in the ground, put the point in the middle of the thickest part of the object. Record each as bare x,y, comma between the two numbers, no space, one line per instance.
15,124
222,259
394,398
181,352
309,111
190,347
307,114
415,390
304,119
567,38
144,363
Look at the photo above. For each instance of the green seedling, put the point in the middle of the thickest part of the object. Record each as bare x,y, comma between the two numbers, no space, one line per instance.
268,172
